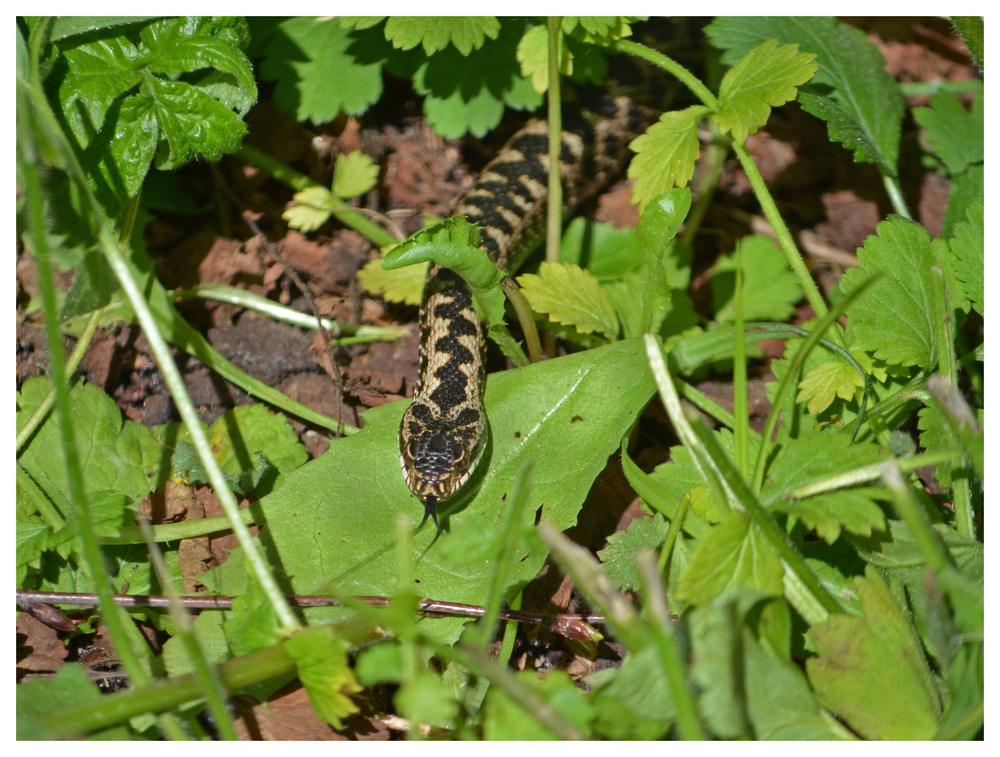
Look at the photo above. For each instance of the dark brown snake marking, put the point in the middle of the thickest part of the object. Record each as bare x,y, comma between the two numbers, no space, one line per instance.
442,434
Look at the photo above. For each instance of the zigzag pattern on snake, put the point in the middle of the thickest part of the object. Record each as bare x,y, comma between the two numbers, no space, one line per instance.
443,433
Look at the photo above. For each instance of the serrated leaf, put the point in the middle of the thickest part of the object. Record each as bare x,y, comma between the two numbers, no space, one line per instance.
354,174
860,102
309,209
633,701
599,28
435,33
814,457
871,671
893,317
319,71
955,134
766,77
734,553
404,285
665,153
618,558
825,382
325,672
533,55
468,94
570,295
505,719
770,289
968,246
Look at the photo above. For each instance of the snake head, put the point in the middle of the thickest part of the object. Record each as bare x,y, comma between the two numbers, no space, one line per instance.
437,458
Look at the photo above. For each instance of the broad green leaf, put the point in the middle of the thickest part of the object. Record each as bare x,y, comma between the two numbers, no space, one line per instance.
333,520
319,71
851,91
665,153
603,249
453,243
435,33
770,289
816,456
968,246
734,553
955,134
404,285
570,295
871,671
325,672
823,383
766,77
354,174
893,317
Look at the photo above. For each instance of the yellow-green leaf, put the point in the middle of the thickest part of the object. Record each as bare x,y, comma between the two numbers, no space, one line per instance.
309,210
572,296
768,76
825,382
404,285
323,668
665,154
354,174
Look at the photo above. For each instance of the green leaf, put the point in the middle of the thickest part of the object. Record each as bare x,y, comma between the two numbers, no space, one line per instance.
40,700
829,380
321,530
116,455
533,55
602,248
770,289
425,699
816,456
505,720
633,701
452,243
955,134
570,295
734,553
618,558
766,77
893,317
325,672
310,208
179,94
665,153
747,690
851,91
968,246
435,33
319,71
871,671
468,94
354,174
404,285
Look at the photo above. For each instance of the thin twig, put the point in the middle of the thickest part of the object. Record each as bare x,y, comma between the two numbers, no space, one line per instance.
574,626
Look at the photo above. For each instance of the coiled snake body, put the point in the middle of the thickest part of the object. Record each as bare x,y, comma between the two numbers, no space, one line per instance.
442,434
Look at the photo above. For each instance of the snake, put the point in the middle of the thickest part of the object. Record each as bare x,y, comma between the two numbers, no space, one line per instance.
443,433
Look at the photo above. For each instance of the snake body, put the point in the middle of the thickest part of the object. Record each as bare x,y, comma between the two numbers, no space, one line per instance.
442,434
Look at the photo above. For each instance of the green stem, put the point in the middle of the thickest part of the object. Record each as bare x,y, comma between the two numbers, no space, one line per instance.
554,210
341,210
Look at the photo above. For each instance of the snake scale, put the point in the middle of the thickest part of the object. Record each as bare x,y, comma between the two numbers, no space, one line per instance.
442,434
